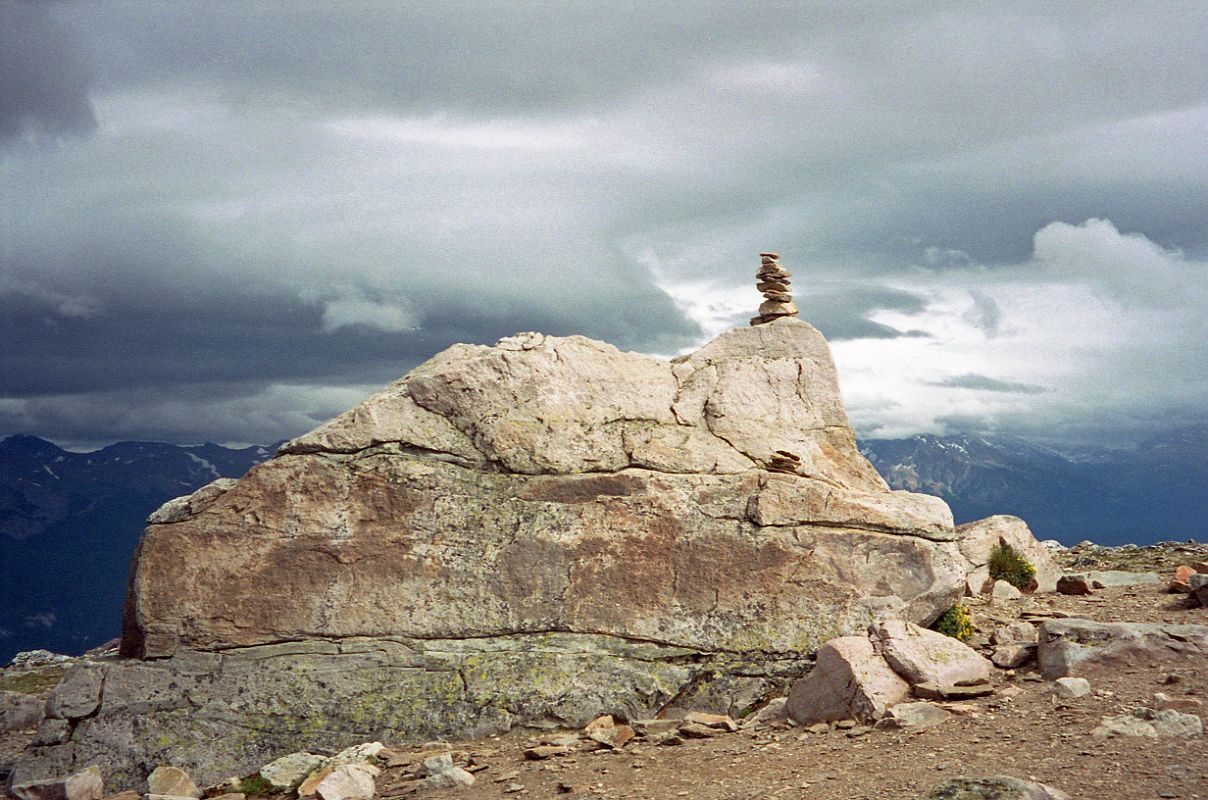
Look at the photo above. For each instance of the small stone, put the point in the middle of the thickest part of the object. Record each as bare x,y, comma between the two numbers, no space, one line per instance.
1012,656
1017,633
671,740
566,787
913,716
694,730
772,308
171,781
130,794
1002,591
933,691
819,727
454,776
1148,723
544,751
348,782
1071,688
655,727
87,784
859,730
1180,582
1074,585
311,783
998,787
512,788
719,721
1163,701
288,772
846,724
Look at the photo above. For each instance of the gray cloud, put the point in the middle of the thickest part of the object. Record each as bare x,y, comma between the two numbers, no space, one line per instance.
276,202
984,383
43,84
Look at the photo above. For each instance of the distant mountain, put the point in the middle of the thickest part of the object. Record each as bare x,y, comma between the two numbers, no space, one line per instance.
69,523
1156,491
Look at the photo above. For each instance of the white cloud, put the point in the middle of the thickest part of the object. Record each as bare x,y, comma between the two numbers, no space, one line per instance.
1109,324
353,307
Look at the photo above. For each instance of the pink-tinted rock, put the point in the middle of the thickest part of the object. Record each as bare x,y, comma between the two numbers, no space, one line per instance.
850,681
924,656
978,540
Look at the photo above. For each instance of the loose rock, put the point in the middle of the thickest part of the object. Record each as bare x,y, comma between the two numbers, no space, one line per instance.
1071,688
995,788
168,780
87,784
1151,724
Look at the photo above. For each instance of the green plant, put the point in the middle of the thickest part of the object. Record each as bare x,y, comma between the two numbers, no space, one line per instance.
256,785
1006,564
955,622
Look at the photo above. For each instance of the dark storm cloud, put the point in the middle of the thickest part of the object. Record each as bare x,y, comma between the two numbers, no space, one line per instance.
43,84
984,383
282,200
844,314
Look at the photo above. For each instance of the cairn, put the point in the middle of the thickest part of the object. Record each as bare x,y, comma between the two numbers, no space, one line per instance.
773,280
784,461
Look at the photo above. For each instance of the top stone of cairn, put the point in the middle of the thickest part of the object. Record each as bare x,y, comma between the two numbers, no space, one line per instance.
773,280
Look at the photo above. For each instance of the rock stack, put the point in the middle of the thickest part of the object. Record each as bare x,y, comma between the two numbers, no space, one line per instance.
773,280
784,461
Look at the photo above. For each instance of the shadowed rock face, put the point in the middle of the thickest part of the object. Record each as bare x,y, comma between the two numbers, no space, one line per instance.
527,534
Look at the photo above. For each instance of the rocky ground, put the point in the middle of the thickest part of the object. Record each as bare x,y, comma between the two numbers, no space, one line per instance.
1021,730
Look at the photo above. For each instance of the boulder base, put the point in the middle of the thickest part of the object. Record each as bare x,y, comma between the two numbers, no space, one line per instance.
533,533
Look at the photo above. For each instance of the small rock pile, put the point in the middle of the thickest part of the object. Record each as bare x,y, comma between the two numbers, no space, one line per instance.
784,461
773,280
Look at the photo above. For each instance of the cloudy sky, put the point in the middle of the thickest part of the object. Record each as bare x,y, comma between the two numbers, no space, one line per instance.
231,221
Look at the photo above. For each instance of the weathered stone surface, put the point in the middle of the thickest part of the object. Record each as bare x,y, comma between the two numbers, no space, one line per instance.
978,540
1011,656
87,784
528,533
930,690
1074,585
287,772
20,712
1150,724
1015,633
1068,646
174,781
348,782
1071,688
1103,579
850,681
77,695
999,787
913,716
924,656
1002,591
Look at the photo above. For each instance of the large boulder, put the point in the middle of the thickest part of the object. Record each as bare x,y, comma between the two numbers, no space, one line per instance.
1072,646
533,533
979,539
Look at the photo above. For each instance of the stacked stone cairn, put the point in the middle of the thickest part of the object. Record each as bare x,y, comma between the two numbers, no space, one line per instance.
773,280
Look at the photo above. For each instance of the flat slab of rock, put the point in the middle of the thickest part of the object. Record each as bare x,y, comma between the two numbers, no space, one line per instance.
1069,646
1103,579
171,781
1150,724
914,716
999,787
87,784
924,656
